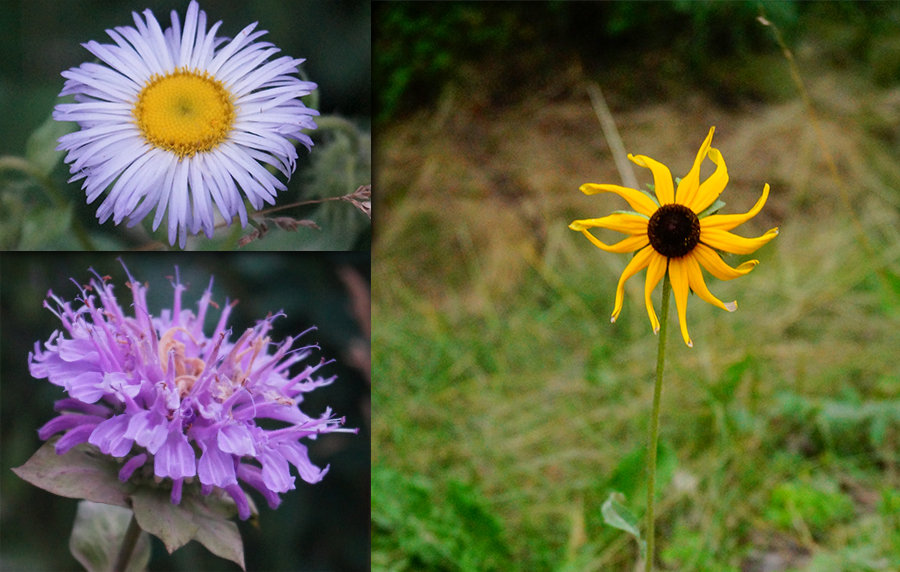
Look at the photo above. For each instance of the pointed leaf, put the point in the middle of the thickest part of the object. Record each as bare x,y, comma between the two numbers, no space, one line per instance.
97,538
218,534
712,209
82,473
651,194
222,538
617,515
632,213
156,514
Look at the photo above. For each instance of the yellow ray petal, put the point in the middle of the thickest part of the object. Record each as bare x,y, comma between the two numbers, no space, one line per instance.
638,263
630,244
690,184
678,274
728,242
627,223
655,272
711,260
662,178
712,187
698,285
638,200
728,222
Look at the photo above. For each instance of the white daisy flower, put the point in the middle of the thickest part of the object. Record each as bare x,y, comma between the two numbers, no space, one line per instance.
179,119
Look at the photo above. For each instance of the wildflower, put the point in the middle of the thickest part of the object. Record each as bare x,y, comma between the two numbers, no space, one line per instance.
156,392
676,231
181,118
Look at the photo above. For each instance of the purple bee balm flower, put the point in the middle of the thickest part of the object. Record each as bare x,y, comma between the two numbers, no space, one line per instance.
157,391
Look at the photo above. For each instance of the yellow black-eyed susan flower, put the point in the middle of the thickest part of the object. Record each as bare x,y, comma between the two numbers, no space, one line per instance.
672,231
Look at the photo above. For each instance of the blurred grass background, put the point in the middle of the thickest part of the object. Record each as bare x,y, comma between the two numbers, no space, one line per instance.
508,407
42,38
317,527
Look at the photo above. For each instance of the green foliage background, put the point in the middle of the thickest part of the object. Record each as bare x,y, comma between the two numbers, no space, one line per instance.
499,370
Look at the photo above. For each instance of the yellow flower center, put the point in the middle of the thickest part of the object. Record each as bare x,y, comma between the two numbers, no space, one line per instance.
184,112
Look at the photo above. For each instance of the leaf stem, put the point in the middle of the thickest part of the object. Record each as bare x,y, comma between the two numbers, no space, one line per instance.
654,422
128,544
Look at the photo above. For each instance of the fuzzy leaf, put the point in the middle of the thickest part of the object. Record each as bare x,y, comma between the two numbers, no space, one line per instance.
82,473
97,538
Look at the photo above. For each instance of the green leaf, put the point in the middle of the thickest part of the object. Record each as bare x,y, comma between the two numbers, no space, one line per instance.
222,538
82,473
630,475
97,537
712,209
48,227
725,389
198,517
617,515
651,196
820,505
156,514
452,529
40,149
218,535
85,473
632,213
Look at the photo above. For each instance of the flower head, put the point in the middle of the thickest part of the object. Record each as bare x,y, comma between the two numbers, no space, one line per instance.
676,231
160,394
178,119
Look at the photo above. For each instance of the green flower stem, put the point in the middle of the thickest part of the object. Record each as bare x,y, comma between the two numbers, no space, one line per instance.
654,421
128,544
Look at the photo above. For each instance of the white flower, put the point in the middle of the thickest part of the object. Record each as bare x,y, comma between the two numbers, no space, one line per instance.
179,119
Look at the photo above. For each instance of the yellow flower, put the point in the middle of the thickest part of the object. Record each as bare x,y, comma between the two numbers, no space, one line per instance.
671,232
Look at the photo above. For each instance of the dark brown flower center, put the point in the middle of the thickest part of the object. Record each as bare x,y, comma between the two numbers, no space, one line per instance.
674,230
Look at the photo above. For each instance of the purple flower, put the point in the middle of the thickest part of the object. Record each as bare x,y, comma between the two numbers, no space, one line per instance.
157,392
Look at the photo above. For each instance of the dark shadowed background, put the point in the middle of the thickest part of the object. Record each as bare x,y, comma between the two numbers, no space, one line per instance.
317,527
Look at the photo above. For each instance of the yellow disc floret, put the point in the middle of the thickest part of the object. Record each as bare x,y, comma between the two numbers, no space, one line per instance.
184,111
